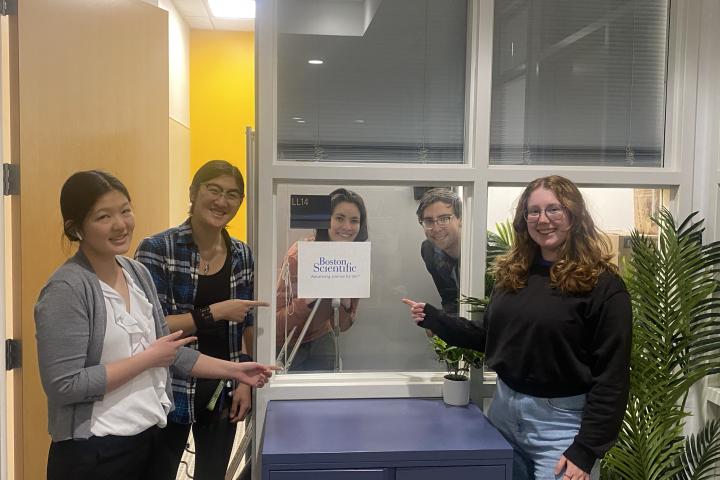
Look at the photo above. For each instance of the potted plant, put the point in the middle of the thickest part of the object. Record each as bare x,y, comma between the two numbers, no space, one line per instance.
673,285
456,387
459,361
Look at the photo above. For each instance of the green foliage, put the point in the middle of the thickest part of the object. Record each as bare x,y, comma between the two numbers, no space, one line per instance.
701,454
497,244
457,360
476,304
676,342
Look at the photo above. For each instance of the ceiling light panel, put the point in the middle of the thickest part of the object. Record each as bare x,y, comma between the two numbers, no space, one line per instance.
232,8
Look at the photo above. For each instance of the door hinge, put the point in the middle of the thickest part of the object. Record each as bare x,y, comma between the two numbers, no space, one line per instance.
11,179
12,354
8,7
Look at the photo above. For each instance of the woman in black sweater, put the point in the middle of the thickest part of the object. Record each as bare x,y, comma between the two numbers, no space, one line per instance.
558,333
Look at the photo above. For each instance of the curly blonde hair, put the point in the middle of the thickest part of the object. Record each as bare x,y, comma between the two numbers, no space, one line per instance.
582,258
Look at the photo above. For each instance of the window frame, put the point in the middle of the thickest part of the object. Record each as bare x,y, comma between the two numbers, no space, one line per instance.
677,175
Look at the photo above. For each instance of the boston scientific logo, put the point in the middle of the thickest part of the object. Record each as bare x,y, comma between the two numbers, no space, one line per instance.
334,265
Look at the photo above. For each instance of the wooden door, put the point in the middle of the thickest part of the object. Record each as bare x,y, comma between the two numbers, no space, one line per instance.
93,94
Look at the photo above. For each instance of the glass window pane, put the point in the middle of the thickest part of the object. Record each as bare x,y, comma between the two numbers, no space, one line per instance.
579,82
390,88
381,337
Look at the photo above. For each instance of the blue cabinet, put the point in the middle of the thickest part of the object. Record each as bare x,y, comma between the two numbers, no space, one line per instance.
381,439
475,472
374,474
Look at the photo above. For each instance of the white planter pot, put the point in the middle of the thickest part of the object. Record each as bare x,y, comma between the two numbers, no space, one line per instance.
456,392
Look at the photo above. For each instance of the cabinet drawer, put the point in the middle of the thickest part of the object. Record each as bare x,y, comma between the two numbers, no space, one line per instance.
474,472
374,474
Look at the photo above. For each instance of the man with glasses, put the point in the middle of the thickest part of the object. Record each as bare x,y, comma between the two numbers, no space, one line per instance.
440,215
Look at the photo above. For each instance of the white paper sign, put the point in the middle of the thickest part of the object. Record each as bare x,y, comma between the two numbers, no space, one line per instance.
333,270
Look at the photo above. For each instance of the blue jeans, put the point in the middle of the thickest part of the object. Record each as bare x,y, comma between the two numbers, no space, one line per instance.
539,429
315,356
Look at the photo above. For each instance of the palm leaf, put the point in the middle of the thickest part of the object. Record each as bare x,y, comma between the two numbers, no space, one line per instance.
701,454
676,342
498,243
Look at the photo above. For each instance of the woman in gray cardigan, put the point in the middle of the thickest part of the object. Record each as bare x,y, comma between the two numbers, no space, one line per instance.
103,345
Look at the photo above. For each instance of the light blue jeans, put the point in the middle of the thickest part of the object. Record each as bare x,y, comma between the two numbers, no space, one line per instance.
539,429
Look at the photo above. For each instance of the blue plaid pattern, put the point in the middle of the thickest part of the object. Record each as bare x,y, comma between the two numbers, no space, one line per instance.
173,259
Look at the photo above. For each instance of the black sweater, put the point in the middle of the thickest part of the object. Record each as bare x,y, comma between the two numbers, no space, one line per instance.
545,343
445,271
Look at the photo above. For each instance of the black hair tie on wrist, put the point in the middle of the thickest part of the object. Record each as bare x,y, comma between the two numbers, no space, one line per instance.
244,357
203,318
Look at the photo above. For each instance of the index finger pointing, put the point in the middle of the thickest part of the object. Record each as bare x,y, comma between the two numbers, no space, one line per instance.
170,337
185,341
256,303
409,302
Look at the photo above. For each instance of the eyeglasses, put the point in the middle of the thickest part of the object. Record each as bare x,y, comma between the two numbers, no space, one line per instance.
552,212
215,191
441,221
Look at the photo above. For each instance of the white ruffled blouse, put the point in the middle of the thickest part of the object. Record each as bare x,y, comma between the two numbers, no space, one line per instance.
142,402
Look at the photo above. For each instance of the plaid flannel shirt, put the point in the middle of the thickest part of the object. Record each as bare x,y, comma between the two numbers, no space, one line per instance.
173,259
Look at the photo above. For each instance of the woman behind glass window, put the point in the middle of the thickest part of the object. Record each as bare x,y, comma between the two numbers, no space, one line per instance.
558,333
348,223
103,344
204,280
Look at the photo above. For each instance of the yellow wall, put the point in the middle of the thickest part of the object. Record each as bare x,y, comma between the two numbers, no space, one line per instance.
222,102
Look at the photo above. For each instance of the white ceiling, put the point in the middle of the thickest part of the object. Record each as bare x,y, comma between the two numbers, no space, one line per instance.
197,15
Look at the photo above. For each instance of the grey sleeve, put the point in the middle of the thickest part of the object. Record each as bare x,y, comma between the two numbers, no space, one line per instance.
63,334
185,361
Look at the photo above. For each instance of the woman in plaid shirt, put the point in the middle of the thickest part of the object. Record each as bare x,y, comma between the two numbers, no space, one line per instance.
204,280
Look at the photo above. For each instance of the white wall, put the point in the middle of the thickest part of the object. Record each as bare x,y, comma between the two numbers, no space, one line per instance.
179,112
707,175
179,54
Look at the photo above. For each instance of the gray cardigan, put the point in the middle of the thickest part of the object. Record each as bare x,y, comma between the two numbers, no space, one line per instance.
70,320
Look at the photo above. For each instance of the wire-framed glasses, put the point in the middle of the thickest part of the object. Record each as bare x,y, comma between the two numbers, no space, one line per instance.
441,221
552,212
215,191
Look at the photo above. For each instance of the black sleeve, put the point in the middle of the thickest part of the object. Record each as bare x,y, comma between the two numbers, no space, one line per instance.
426,253
449,299
457,331
445,287
607,399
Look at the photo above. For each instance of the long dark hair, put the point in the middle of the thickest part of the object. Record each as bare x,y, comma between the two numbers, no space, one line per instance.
336,198
78,195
